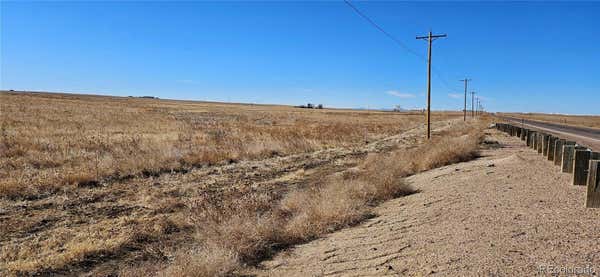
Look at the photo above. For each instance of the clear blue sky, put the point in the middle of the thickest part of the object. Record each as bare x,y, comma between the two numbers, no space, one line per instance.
531,57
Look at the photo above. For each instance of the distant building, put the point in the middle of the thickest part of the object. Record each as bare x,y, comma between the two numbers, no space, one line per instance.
311,106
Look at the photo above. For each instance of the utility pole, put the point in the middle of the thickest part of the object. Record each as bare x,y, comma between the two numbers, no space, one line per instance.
465,106
472,102
430,38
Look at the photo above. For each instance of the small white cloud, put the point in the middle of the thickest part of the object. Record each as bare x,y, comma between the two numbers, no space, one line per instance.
455,95
400,94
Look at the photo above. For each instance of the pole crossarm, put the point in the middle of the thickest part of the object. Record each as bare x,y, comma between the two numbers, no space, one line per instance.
432,37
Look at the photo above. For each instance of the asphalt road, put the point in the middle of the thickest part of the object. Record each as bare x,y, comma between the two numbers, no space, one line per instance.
585,136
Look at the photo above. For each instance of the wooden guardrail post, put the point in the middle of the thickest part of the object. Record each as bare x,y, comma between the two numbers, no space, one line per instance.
595,156
558,144
551,144
545,145
521,133
580,166
567,158
518,133
542,140
530,135
524,134
593,185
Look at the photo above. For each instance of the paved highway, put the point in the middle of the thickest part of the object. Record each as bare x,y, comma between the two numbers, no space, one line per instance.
586,136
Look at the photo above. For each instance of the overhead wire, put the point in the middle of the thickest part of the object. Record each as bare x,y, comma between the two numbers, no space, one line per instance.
399,43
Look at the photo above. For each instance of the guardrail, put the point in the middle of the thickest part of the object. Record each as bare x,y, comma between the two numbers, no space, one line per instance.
571,157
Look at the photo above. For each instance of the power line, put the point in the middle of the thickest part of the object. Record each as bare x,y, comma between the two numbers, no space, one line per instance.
435,70
444,82
397,41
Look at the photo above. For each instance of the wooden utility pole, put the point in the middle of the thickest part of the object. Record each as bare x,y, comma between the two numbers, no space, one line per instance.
465,106
472,102
430,38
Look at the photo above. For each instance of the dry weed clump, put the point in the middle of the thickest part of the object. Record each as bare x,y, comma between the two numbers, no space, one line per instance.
449,150
207,261
250,227
69,248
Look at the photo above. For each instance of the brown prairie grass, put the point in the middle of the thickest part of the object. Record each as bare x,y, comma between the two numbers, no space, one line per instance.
51,142
82,162
242,230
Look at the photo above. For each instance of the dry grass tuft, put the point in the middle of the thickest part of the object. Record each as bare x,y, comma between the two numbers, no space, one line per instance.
449,150
311,213
207,261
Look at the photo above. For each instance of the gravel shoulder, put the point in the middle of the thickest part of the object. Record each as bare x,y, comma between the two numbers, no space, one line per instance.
509,212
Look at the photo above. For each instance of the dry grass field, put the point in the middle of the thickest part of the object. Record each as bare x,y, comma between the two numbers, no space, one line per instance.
143,187
575,120
55,141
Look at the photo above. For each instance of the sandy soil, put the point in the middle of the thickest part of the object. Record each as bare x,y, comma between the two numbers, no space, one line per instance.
509,213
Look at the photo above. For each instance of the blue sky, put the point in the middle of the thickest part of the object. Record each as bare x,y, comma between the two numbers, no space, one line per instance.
530,57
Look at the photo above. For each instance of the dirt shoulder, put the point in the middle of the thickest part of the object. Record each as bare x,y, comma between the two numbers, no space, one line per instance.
507,213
